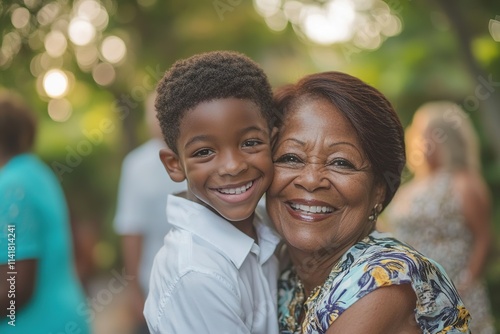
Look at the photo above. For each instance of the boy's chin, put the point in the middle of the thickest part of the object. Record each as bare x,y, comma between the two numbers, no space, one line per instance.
235,214
236,217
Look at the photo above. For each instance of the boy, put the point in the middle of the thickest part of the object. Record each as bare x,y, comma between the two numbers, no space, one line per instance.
216,272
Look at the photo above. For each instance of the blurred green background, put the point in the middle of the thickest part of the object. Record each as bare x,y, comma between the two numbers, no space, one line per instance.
87,66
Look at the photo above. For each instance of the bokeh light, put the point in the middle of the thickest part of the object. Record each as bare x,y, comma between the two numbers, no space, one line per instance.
47,62
93,12
87,57
104,74
494,28
48,13
20,17
59,110
88,9
36,68
331,24
113,49
277,22
4,59
11,43
55,83
57,31
55,43
81,31
267,8
366,24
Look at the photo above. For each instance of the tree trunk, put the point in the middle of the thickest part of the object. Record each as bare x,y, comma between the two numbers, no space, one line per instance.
485,98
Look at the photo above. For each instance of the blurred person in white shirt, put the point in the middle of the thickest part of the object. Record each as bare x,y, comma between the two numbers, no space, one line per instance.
140,217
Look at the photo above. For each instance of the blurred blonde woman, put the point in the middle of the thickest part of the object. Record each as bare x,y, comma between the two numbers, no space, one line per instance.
445,210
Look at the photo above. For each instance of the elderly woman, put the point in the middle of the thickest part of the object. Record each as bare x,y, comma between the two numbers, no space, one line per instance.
338,160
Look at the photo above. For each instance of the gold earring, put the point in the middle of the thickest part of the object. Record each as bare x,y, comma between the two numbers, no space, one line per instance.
377,209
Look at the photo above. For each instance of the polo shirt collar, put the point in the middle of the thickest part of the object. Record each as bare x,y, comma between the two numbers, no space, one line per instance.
218,232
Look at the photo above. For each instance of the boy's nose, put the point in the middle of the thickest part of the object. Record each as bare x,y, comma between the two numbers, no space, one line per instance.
232,163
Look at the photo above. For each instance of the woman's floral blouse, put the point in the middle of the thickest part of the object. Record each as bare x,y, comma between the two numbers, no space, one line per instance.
376,261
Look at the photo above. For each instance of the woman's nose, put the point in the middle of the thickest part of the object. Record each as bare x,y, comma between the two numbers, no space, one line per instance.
312,177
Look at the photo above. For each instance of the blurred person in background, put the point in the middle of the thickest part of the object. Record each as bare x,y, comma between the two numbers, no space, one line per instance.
445,210
141,217
39,288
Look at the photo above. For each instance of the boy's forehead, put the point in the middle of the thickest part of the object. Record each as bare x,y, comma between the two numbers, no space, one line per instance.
230,106
222,117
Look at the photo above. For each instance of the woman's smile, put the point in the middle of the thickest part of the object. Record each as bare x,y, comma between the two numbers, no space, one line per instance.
309,210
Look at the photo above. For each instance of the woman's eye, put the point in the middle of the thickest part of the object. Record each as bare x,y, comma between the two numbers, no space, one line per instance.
202,153
341,163
288,158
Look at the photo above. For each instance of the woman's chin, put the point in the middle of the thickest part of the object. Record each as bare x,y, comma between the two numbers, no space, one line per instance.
305,244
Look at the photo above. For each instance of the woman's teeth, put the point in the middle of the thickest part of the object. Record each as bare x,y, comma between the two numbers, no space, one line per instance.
236,191
311,209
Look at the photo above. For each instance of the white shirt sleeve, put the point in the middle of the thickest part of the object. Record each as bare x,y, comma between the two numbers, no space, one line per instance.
129,218
198,303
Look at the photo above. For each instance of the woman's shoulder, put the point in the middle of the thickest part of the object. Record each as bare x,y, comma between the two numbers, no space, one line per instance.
381,260
383,244
382,253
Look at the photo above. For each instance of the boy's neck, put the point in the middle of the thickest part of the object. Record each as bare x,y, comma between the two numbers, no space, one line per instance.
246,226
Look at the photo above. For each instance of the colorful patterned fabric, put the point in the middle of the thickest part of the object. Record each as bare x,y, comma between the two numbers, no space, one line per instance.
376,261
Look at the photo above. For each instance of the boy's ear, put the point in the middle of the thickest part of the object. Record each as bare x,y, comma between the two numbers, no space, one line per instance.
172,164
274,136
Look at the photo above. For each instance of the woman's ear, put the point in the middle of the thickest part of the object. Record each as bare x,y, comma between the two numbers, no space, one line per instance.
172,165
380,191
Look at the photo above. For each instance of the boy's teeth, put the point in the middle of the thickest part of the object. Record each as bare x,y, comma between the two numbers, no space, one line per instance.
311,208
236,191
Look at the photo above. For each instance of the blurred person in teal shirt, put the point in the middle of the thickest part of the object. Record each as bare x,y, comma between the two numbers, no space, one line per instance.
39,289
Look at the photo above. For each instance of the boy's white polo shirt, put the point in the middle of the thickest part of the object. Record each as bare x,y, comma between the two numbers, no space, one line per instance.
209,277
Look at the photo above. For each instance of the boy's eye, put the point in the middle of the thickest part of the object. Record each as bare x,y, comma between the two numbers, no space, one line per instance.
204,152
251,143
289,159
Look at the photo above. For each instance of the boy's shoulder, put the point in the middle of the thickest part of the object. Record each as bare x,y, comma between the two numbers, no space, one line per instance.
184,252
184,262
201,241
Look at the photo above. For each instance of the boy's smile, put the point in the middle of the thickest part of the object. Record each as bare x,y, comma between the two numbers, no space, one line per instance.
224,153
235,193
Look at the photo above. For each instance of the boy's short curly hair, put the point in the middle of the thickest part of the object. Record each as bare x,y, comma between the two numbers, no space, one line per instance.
206,77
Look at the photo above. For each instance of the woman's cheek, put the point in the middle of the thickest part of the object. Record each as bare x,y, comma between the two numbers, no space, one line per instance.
280,181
